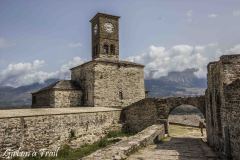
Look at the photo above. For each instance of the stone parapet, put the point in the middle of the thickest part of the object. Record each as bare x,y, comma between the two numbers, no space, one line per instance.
124,148
34,129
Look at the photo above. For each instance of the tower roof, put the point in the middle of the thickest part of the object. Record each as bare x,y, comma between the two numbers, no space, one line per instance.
104,15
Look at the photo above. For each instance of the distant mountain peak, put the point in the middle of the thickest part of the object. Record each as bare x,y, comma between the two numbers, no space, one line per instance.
20,96
177,83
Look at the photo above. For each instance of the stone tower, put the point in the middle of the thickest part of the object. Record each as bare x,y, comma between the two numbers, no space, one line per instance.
105,81
105,37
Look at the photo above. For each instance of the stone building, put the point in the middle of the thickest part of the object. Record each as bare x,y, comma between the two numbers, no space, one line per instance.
105,81
64,93
223,106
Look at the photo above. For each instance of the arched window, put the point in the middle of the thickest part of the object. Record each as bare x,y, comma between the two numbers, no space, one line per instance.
120,95
105,48
112,49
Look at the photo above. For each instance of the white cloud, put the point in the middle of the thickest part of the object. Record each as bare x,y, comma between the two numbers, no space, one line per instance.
27,73
234,50
64,70
212,15
75,45
5,43
236,13
159,61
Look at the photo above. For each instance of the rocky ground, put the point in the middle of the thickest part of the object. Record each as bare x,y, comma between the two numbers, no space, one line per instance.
184,143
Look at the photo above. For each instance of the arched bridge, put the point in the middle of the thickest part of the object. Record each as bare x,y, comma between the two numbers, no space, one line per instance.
149,111
174,102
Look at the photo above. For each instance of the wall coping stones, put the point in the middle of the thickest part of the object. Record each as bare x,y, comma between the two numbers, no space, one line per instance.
14,113
118,62
230,57
125,147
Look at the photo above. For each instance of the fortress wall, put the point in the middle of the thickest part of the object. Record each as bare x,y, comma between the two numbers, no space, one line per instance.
149,111
140,115
222,105
52,127
213,107
232,114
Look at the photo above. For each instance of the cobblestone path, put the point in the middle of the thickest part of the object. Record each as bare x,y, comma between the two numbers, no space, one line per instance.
187,145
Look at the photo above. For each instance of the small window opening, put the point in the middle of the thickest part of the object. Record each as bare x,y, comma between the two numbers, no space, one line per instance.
120,95
96,50
112,49
105,49
34,99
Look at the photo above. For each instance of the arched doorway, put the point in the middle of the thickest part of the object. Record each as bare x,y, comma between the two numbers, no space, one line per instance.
184,121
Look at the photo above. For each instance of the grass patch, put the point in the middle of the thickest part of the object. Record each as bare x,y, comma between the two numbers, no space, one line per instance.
73,154
165,139
114,134
175,130
179,130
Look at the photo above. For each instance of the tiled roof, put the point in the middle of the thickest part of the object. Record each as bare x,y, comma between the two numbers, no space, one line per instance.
62,85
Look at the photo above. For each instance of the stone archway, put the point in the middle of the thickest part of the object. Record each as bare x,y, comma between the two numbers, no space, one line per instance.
150,111
198,102
187,115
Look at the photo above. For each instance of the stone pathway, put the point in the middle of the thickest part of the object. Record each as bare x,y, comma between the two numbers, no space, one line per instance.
179,147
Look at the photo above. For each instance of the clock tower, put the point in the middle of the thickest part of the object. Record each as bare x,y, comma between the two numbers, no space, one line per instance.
105,37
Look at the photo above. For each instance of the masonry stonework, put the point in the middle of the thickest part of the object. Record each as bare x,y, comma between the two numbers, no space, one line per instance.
222,106
52,128
65,99
84,76
61,94
43,98
105,37
149,111
103,81
110,82
118,84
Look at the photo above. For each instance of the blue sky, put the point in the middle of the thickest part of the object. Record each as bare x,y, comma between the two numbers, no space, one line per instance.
52,35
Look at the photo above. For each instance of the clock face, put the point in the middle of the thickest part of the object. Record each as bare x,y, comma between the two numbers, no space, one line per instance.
95,29
108,27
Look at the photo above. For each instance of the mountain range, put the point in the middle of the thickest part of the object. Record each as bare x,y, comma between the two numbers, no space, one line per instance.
174,84
20,97
184,83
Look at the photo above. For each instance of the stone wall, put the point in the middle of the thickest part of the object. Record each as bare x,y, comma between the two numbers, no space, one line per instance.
139,115
52,127
122,149
222,105
43,98
84,75
57,98
213,109
117,84
67,98
151,111
231,111
110,84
